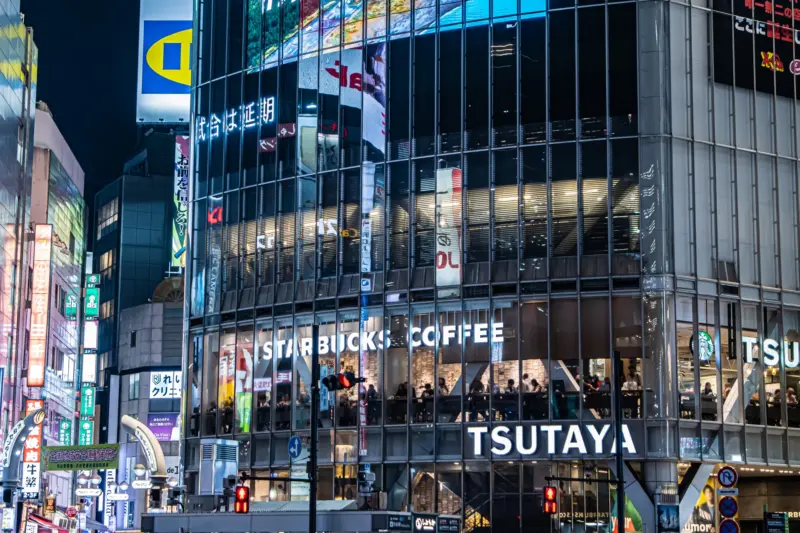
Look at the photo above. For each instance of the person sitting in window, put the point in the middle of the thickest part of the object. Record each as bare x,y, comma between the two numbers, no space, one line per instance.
727,390
427,392
524,385
791,397
535,386
443,390
510,388
631,384
402,391
372,394
605,386
776,397
588,386
708,392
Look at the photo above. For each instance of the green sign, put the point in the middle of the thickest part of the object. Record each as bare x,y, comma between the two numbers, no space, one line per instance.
86,435
87,400
97,457
92,280
65,431
91,306
71,307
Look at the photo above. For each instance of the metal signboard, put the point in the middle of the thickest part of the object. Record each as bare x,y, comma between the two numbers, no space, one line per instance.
727,476
91,305
87,400
95,457
86,433
729,526
728,507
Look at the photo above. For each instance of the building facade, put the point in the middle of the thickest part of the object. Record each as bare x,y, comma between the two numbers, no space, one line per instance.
57,200
17,98
150,338
480,202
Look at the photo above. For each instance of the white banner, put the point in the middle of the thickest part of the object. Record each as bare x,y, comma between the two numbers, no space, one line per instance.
108,504
448,227
31,475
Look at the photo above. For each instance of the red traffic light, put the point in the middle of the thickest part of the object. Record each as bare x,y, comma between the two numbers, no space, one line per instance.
550,500
344,380
242,501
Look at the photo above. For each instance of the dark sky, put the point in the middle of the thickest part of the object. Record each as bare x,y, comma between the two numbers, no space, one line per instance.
87,75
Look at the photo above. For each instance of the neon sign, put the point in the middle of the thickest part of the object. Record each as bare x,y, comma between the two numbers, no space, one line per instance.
244,117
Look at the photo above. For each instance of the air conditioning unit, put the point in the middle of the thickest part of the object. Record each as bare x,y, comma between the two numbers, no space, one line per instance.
219,459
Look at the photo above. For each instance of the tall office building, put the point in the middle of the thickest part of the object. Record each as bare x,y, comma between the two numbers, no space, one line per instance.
57,203
480,202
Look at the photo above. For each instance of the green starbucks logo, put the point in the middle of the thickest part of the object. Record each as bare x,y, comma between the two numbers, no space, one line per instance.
706,350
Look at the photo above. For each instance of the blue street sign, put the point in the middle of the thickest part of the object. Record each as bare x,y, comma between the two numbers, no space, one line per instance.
729,526
295,447
727,476
728,507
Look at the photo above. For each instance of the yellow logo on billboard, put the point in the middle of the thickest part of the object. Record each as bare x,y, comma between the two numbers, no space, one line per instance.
163,60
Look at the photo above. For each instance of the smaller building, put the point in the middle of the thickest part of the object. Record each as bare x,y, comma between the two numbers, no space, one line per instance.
150,387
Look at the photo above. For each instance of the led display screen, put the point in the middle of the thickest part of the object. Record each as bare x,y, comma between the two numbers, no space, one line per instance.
309,25
751,40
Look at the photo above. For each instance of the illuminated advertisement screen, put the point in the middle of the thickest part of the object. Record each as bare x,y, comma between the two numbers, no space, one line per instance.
165,75
40,304
309,25
752,40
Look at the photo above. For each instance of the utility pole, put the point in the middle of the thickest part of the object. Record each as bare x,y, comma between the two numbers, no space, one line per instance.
619,376
312,448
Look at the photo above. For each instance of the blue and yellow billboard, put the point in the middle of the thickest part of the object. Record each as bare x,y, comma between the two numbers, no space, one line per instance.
165,74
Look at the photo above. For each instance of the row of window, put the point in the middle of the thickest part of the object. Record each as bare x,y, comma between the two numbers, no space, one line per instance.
464,89
512,214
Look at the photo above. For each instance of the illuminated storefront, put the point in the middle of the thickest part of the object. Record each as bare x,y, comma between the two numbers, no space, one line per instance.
479,202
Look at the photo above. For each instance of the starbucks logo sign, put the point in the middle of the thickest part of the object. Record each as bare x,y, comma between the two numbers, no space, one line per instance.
705,349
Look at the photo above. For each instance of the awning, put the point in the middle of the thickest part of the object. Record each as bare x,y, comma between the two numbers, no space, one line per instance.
46,524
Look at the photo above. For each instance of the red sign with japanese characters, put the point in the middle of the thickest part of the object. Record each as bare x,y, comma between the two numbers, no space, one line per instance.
31,452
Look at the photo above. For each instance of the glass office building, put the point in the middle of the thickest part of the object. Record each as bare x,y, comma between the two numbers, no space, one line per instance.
479,202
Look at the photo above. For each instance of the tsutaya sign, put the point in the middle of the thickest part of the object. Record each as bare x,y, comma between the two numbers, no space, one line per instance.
772,357
375,340
555,439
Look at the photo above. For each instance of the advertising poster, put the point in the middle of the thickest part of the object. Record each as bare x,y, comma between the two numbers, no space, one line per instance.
181,200
448,227
165,426
633,520
244,386
165,75
704,517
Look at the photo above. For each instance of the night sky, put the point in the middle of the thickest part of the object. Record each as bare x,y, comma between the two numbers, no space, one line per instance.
87,76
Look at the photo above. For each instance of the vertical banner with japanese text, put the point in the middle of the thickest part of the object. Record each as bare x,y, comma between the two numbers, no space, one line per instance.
40,304
181,199
32,454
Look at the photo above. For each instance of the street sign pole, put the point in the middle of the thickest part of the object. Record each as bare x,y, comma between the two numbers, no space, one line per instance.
312,462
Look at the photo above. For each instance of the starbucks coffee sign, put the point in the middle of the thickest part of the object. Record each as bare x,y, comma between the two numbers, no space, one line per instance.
551,439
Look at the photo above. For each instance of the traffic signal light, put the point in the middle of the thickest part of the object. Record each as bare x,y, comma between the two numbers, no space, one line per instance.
344,380
550,501
242,502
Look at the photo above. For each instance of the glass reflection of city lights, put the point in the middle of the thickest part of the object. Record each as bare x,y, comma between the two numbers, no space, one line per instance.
172,481
123,486
139,470
96,479
83,479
